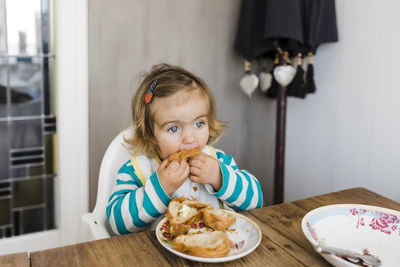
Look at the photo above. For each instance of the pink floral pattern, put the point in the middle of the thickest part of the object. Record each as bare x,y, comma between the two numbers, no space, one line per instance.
386,223
312,232
359,212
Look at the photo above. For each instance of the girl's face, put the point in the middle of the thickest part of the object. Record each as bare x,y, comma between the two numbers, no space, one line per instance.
180,121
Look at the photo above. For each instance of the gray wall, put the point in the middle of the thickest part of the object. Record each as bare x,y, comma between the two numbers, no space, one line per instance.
128,37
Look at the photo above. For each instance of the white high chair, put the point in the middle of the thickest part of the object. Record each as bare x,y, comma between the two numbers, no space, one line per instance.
94,225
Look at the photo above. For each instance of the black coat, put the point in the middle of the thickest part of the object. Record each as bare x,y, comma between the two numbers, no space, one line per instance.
298,25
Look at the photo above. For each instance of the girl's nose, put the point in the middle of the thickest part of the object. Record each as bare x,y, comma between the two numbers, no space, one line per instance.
188,137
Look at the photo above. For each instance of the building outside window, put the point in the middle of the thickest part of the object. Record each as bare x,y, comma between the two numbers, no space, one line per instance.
27,117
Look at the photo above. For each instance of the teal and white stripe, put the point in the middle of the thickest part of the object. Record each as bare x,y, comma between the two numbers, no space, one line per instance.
239,188
132,206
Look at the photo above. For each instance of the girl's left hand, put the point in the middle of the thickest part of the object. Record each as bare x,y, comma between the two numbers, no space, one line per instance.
204,169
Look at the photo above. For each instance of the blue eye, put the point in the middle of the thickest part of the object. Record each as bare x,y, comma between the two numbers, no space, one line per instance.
173,129
199,124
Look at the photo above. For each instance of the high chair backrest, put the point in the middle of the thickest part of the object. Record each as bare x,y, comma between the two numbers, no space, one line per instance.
94,225
114,157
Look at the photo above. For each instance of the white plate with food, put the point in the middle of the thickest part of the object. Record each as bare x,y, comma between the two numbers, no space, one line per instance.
366,230
244,237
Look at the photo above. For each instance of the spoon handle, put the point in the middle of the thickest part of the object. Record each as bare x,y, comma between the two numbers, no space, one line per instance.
369,259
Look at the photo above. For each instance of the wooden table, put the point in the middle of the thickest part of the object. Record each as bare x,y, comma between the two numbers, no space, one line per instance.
283,242
17,259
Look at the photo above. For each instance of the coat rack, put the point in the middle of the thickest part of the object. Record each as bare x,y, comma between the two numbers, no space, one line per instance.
279,167
289,28
283,81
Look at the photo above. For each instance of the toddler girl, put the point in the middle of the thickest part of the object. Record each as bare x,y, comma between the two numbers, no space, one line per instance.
174,110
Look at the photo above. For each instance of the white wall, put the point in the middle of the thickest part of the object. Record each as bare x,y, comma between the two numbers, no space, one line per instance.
347,134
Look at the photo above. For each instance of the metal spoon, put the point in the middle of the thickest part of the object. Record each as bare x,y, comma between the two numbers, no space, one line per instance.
367,259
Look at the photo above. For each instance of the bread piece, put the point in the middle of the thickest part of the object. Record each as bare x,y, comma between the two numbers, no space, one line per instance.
178,229
183,211
208,244
197,204
180,212
183,154
218,219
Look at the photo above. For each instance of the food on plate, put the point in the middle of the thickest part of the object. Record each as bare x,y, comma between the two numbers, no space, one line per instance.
183,211
184,154
196,228
218,219
209,244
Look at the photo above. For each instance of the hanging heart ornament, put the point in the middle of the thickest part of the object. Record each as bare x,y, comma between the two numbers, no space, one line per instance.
284,74
265,81
249,83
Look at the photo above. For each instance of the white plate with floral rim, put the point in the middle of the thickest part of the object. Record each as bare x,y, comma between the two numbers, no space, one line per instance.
244,234
368,230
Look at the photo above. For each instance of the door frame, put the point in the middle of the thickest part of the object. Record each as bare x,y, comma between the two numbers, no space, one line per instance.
72,181
72,115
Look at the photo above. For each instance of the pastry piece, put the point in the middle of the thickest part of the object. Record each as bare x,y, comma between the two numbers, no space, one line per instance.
208,244
197,204
218,219
183,211
184,154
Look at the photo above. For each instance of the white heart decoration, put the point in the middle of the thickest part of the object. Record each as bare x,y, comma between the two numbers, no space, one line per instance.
249,83
284,74
265,81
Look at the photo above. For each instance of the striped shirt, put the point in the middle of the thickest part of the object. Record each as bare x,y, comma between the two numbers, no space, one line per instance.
135,203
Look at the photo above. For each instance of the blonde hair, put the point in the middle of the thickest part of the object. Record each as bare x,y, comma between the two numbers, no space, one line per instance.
171,79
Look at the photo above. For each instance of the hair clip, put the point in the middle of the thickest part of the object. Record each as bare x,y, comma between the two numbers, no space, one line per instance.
149,96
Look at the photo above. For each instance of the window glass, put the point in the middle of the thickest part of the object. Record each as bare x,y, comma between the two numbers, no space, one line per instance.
23,22
27,118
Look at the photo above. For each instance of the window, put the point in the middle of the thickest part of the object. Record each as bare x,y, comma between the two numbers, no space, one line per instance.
27,117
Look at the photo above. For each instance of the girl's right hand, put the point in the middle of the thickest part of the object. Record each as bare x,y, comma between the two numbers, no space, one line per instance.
172,175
